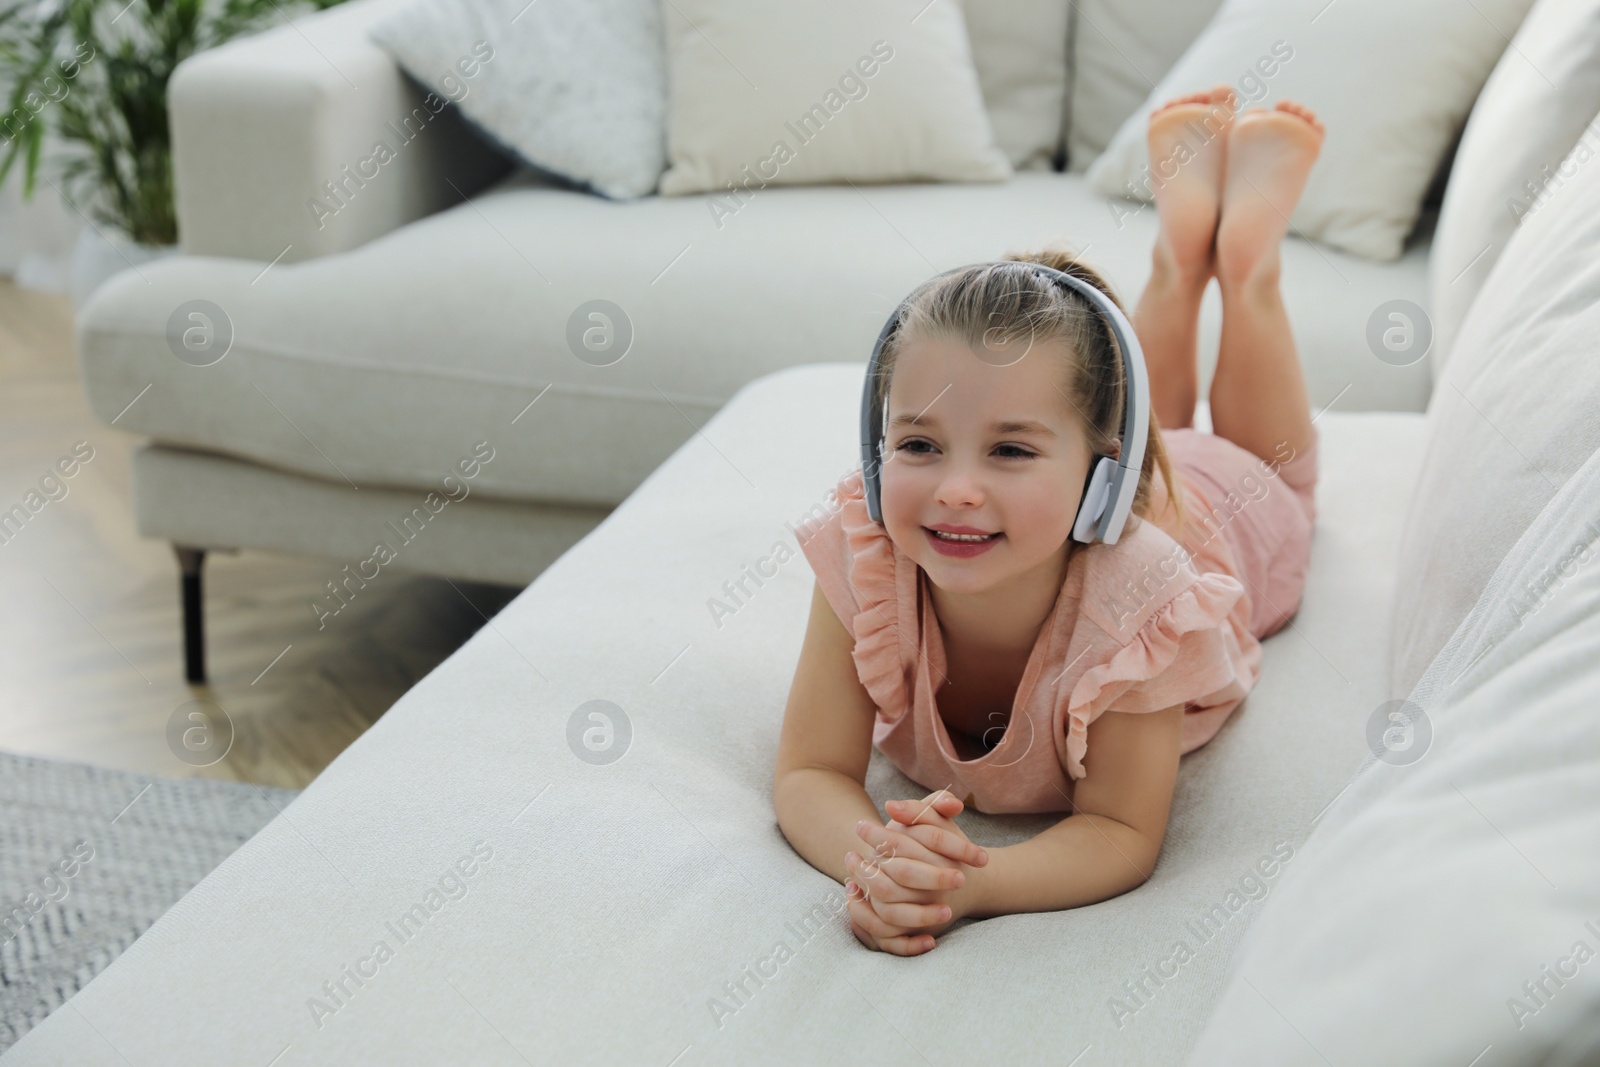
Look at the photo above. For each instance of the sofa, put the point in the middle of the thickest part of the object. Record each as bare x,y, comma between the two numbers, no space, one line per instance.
357,359
560,845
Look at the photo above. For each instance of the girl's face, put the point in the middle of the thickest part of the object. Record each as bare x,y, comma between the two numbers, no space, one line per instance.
983,444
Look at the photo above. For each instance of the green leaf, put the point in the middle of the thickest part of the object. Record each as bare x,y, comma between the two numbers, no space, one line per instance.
112,122
35,137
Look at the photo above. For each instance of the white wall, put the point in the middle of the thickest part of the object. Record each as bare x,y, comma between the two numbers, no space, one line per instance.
36,237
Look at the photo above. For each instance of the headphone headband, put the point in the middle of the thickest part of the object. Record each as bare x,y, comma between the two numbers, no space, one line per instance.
1112,482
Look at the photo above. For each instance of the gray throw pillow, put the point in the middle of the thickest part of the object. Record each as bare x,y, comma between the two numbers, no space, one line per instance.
575,87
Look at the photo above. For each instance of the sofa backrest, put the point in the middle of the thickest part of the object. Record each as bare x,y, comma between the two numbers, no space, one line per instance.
1512,417
1536,106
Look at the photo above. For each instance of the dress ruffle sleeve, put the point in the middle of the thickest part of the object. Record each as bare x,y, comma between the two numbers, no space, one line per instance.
854,562
1186,652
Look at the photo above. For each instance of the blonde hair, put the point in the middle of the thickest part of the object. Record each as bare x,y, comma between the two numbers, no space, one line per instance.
1007,301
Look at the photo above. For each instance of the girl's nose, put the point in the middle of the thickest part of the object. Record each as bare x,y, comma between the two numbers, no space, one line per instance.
959,488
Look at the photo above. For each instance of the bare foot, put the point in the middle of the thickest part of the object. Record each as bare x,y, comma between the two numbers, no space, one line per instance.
1188,139
1270,153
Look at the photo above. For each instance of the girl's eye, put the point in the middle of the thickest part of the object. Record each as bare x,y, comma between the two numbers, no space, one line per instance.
1008,451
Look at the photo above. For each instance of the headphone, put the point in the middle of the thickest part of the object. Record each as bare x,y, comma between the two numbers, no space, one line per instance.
1109,489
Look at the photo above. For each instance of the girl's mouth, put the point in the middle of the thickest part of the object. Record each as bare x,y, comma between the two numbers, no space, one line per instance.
961,546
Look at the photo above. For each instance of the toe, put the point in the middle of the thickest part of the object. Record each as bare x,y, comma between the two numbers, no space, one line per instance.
1302,112
1191,98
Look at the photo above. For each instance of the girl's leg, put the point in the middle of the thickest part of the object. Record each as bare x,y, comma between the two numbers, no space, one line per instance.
1258,394
1187,139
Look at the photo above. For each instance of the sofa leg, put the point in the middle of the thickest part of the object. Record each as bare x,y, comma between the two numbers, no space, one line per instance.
194,634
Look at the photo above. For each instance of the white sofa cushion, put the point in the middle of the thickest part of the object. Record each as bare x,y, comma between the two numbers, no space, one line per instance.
1421,63
769,92
1455,877
578,87
1019,48
1515,411
464,321
646,884
1120,50
1543,96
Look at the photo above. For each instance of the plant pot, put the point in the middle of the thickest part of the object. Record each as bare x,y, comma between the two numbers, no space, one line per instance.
102,254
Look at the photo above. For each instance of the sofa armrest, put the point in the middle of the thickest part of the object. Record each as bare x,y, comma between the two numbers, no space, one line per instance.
262,125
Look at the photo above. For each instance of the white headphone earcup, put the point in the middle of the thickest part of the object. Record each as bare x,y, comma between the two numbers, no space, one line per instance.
1094,500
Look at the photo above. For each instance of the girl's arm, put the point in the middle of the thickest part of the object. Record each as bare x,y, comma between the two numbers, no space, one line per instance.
823,752
1110,842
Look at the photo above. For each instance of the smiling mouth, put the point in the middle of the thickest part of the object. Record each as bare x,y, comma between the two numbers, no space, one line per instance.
962,539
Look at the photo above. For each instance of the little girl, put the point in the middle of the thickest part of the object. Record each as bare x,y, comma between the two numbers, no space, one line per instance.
972,640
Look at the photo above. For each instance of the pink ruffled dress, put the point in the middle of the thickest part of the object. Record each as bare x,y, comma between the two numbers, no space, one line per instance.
1137,626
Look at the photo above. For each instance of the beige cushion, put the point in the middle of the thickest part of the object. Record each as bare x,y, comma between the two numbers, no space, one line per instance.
1392,82
1120,49
1462,869
1543,93
762,91
385,361
1020,50
1511,419
676,840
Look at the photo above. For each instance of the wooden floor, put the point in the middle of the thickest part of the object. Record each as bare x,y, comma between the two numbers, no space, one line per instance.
90,644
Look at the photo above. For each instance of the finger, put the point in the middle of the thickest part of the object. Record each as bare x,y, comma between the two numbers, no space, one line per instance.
914,812
946,801
873,932
902,878
892,845
903,945
911,874
893,874
862,911
938,806
948,843
907,944
908,915
885,932
870,875
884,843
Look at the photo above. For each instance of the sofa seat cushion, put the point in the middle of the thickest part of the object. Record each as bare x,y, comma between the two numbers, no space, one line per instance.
652,881
383,365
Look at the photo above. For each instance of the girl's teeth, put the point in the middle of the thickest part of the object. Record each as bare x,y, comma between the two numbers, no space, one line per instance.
962,537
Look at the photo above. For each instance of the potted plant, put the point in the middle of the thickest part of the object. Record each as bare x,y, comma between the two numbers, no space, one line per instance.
94,73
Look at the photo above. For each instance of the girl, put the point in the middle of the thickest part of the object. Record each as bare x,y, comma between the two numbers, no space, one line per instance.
978,646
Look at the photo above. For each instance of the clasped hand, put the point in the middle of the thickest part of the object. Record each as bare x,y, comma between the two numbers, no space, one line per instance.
908,887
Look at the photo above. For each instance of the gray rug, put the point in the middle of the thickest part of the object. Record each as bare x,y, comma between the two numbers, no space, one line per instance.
89,858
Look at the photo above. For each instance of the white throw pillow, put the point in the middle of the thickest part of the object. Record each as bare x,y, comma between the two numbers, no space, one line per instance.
769,92
1120,50
1532,112
1392,82
1512,417
575,87
1449,900
1020,50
